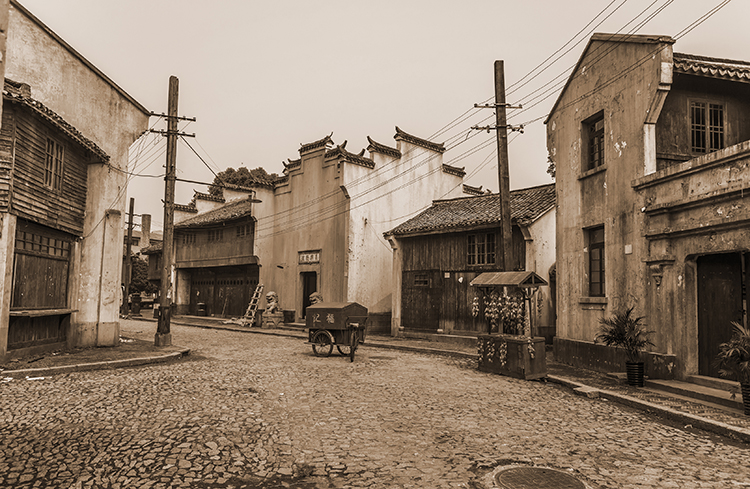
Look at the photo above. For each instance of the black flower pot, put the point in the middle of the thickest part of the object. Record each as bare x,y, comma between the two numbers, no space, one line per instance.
745,389
635,373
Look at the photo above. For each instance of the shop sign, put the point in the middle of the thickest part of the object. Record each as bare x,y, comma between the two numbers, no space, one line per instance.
308,257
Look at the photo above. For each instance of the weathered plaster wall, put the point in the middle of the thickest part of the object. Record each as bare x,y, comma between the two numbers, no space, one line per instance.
540,256
382,198
311,215
697,208
68,84
623,85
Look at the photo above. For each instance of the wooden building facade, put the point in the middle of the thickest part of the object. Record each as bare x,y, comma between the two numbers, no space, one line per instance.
217,270
440,251
43,186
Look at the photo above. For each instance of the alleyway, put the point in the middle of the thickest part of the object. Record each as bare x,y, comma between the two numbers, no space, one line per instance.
262,411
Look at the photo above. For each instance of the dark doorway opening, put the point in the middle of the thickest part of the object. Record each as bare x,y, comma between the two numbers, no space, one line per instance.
721,281
309,285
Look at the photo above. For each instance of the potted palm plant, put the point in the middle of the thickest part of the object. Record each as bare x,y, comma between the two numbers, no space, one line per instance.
629,333
734,361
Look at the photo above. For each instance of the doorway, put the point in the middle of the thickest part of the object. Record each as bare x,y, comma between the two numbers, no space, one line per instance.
720,289
309,285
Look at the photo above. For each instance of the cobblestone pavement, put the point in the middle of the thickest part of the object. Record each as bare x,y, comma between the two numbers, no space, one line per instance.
261,411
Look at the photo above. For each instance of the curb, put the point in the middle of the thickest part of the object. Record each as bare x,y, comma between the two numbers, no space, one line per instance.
686,419
131,362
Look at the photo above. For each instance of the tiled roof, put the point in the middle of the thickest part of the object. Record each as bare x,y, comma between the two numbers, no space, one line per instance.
233,210
153,249
208,197
468,189
714,67
526,206
376,147
20,93
292,164
320,143
357,159
401,135
186,207
454,170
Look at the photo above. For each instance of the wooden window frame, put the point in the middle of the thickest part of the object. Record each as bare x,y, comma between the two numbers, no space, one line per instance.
481,249
592,131
421,280
596,262
707,126
54,164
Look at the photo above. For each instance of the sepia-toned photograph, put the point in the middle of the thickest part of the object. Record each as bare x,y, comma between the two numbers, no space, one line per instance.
340,244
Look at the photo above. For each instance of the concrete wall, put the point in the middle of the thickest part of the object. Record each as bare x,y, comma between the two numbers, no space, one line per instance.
398,190
540,257
342,209
308,214
68,84
623,85
658,219
700,207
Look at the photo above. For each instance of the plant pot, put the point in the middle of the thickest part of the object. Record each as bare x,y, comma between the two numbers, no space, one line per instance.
745,389
635,373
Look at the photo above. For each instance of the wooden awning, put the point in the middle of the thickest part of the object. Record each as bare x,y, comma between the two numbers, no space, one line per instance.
503,279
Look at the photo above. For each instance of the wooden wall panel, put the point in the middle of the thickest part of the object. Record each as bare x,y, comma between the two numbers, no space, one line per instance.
32,199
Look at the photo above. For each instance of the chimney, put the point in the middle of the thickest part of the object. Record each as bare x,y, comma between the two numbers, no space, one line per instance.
145,230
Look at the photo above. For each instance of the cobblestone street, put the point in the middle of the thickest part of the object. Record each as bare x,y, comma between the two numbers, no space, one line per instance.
245,410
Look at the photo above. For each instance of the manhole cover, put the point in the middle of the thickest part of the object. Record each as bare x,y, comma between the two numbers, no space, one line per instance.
536,478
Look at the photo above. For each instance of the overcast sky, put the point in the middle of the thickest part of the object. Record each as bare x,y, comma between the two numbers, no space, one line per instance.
263,77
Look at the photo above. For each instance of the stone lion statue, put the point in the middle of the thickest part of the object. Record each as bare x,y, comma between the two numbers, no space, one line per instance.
272,302
316,298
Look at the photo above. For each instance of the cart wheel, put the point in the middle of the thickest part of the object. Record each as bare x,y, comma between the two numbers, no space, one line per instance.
344,350
353,347
322,343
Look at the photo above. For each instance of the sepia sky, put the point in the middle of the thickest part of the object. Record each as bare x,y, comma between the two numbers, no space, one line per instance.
263,77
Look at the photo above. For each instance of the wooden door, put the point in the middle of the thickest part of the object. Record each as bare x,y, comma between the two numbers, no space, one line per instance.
719,303
421,298
309,285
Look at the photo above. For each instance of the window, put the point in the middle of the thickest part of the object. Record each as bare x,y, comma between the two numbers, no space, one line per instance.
421,280
596,261
593,135
243,230
706,127
53,168
215,235
188,238
481,249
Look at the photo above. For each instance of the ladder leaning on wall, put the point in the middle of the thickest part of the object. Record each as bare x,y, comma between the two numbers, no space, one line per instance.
252,307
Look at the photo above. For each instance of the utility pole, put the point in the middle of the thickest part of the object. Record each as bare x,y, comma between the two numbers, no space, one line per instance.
503,173
501,128
163,335
128,261
163,332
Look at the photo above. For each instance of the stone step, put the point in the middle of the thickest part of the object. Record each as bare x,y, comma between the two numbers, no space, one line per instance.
702,393
455,339
713,382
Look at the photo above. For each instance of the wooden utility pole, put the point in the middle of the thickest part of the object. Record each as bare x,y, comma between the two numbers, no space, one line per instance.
163,332
501,128
506,241
128,262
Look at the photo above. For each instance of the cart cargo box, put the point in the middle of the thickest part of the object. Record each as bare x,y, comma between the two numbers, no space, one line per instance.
342,324
335,315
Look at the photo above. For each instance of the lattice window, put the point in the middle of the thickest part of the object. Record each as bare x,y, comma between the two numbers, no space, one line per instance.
706,127
53,169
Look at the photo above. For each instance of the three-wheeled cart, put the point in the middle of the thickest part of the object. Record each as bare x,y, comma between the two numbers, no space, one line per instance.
342,324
